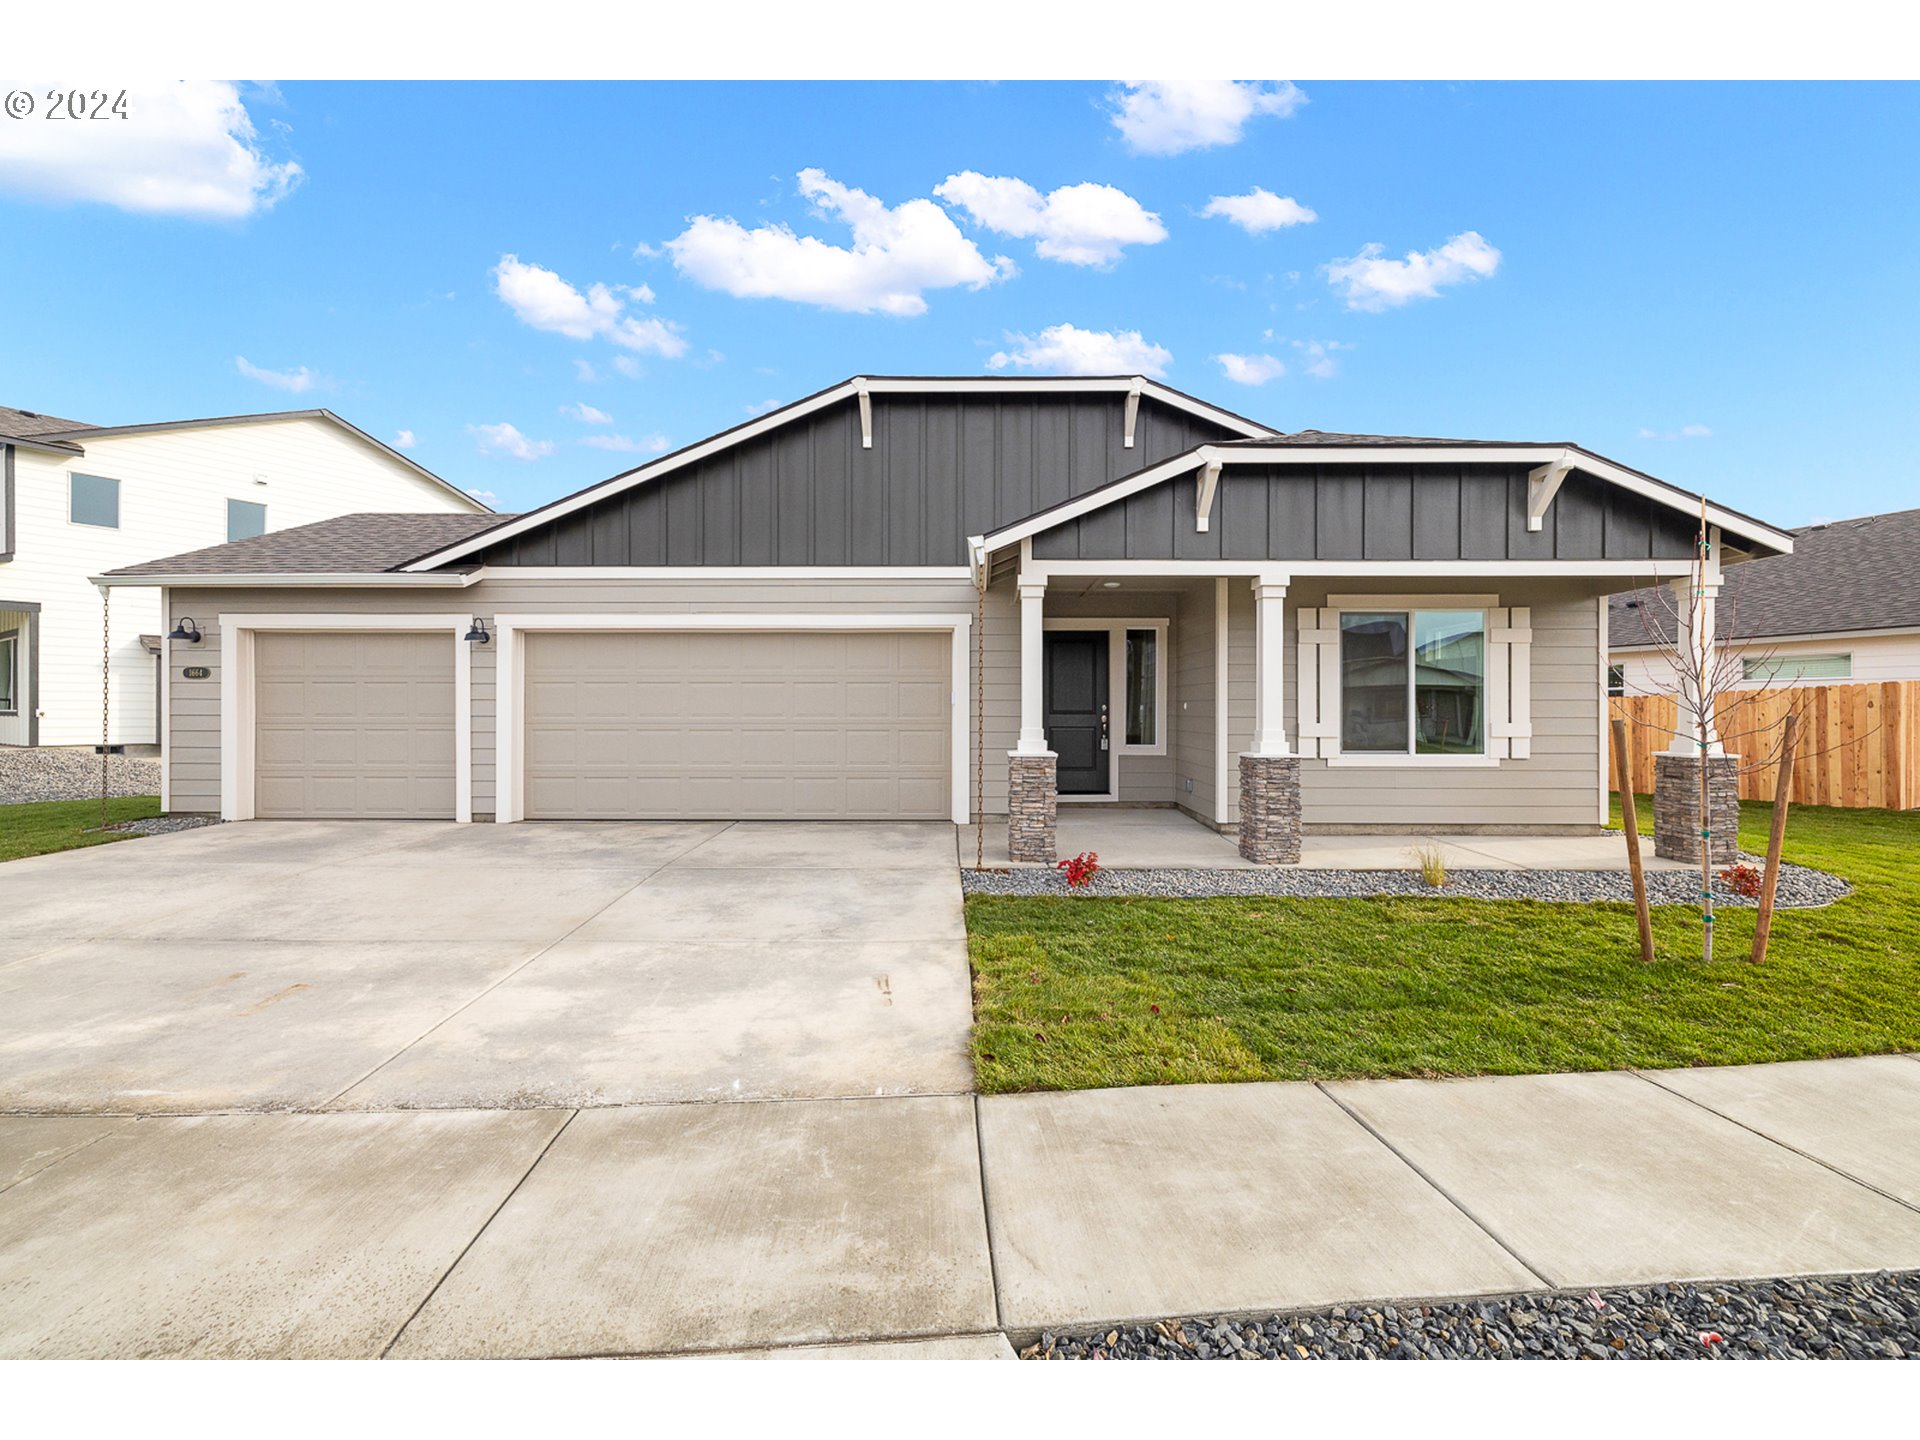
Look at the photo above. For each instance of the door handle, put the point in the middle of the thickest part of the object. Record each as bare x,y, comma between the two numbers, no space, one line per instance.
1103,727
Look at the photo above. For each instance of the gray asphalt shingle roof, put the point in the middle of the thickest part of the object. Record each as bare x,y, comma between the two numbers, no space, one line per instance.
1846,575
26,424
363,544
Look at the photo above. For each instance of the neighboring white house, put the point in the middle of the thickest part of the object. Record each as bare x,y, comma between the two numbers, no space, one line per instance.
80,499
1842,609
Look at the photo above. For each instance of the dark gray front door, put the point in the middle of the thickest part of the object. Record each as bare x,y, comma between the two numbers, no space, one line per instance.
1076,703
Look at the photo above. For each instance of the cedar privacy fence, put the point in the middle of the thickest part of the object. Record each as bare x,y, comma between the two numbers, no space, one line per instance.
1859,744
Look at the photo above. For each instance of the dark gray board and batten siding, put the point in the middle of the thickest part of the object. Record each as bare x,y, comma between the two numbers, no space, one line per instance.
1373,512
941,468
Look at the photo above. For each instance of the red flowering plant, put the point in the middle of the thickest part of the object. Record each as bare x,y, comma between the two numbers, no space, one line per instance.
1742,880
1081,869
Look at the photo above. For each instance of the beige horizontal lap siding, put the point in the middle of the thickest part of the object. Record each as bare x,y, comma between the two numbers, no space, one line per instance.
1557,785
195,704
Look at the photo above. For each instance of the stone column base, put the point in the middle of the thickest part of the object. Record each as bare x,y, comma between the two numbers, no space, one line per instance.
1270,809
1032,807
1676,807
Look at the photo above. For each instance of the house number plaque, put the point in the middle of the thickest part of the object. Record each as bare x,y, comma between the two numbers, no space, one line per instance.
196,672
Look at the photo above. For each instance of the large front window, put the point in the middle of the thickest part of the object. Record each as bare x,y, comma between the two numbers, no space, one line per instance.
1413,682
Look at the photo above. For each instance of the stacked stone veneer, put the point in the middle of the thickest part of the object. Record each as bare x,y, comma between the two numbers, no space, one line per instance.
1270,809
1033,806
1676,807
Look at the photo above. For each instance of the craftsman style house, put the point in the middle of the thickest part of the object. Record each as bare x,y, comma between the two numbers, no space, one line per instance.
925,598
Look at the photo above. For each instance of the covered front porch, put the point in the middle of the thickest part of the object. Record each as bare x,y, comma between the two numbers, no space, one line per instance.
1168,839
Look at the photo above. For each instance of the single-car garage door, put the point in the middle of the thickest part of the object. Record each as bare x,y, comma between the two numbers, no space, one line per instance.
353,725
757,725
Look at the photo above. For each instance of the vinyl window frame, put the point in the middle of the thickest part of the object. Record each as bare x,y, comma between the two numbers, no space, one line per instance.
10,678
1410,759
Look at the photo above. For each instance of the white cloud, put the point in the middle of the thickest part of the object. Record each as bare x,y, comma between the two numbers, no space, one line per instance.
644,251
405,440
1069,350
1251,369
485,497
897,254
505,439
1083,224
1368,281
186,148
1685,432
584,372
1170,117
586,414
1319,354
296,381
627,366
1259,211
626,444
546,302
763,407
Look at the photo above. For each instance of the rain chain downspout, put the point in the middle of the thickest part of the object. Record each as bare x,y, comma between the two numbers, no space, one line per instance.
106,658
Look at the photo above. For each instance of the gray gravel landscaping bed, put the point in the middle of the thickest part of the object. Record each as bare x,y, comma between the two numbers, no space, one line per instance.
163,824
1800,886
72,773
1854,1317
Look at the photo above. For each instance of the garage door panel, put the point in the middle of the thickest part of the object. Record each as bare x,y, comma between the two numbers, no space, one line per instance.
738,725
354,725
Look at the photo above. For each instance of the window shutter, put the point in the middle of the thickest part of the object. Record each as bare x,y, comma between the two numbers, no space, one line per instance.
1510,683
1317,682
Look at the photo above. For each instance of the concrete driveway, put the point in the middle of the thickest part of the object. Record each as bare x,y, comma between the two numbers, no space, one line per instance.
385,966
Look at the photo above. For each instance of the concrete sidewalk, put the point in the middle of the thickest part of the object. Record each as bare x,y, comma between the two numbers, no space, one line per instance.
927,1226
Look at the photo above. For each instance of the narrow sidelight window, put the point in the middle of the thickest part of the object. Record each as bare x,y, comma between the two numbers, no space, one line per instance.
1143,687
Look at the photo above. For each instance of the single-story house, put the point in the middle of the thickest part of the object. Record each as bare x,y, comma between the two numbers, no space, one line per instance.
915,598
1843,608
77,499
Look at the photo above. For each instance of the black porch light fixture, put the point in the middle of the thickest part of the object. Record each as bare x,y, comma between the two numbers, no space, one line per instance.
185,630
477,632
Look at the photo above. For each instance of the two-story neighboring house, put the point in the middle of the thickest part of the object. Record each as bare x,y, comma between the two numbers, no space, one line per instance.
79,499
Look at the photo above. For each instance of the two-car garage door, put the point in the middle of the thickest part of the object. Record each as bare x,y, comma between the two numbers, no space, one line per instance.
838,724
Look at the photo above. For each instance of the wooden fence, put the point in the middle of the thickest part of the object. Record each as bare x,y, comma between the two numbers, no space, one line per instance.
1859,745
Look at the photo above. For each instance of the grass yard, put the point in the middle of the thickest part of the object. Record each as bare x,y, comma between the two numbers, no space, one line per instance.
50,825
1075,994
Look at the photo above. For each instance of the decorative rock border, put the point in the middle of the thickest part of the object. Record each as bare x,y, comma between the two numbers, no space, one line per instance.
1800,886
71,773
1850,1317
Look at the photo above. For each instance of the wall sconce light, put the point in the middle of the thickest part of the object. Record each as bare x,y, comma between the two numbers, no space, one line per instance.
477,632
186,630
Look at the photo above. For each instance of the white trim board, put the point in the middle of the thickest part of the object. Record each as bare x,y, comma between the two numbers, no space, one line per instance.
237,728
1282,572
724,572
1209,455
444,580
510,801
845,390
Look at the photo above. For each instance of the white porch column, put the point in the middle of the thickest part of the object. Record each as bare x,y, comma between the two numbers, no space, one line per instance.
1270,651
1033,723
1693,604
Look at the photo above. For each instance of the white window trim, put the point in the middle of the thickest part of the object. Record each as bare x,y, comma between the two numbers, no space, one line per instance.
510,801
237,715
1408,759
1117,690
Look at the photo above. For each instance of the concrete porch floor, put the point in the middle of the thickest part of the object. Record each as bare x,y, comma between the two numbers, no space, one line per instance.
1169,840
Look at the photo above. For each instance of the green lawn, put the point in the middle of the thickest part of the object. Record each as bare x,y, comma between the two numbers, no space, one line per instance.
41,829
1074,994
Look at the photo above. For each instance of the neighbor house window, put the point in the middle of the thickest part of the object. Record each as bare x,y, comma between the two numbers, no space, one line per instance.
1616,679
1143,687
93,500
1413,682
1788,669
9,667
245,519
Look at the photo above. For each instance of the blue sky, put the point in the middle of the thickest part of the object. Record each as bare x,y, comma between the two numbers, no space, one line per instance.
1715,283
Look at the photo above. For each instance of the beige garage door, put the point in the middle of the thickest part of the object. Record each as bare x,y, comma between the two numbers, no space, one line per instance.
353,726
737,725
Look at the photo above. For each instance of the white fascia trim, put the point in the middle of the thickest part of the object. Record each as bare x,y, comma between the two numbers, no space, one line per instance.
1279,571
379,579
237,729
854,387
724,572
511,677
1361,455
